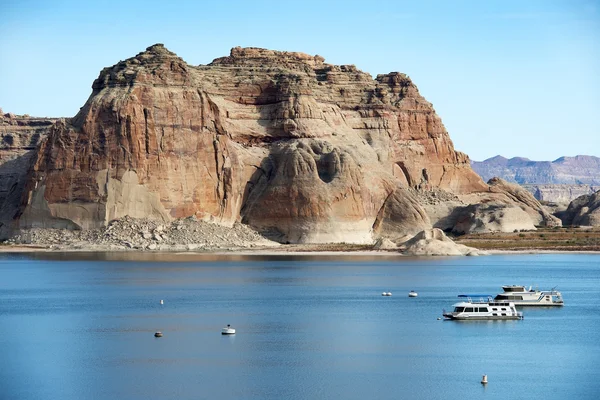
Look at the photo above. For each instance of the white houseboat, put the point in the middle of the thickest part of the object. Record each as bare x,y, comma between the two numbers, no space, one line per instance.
488,309
521,296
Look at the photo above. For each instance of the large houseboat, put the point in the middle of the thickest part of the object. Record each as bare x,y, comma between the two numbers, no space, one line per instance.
481,309
521,296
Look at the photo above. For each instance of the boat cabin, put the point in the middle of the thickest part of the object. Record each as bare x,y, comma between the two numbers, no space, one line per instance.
514,288
493,308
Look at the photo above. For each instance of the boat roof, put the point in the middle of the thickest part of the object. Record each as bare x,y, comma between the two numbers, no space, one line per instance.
484,303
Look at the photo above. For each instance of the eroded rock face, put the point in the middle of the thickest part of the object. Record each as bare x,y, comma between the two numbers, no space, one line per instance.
313,151
504,207
584,210
401,215
491,217
19,137
520,196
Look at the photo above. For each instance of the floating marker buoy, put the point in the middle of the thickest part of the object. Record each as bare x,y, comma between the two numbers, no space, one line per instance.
228,330
484,380
439,318
162,302
158,334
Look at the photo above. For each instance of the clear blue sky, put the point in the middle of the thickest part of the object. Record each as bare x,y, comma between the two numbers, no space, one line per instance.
509,77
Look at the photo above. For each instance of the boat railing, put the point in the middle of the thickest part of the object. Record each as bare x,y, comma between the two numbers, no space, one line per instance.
483,298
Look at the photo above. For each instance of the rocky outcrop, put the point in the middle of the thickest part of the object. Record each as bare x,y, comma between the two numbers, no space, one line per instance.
515,194
433,242
384,244
585,210
308,151
491,217
19,137
503,207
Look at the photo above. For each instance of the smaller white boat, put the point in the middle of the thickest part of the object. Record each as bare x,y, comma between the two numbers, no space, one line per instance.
386,293
413,294
228,330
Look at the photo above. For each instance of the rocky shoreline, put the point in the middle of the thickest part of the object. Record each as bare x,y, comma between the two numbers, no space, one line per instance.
139,234
190,235
193,235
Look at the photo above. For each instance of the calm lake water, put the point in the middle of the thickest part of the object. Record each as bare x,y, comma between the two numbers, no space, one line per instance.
75,327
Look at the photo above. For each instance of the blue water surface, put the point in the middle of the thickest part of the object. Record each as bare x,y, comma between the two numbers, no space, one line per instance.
76,327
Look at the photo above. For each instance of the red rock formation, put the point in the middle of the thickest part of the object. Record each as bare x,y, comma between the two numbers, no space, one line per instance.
280,139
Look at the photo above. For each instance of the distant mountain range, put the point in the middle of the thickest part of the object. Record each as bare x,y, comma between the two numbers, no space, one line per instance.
578,170
561,180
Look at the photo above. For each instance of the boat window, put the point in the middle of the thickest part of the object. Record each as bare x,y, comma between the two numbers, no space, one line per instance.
514,289
494,309
483,309
469,309
459,309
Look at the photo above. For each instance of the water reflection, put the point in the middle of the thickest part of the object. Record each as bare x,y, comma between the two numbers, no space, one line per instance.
201,257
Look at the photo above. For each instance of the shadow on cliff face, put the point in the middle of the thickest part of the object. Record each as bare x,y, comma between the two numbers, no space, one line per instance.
13,174
272,101
255,188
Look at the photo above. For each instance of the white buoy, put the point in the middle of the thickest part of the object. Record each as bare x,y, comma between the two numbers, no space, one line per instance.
484,380
228,330
162,302
439,318
158,334
384,294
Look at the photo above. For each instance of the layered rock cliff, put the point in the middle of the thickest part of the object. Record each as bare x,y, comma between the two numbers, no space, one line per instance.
558,181
560,193
564,170
19,137
308,151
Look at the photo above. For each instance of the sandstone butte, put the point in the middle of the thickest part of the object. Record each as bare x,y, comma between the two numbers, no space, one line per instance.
304,150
